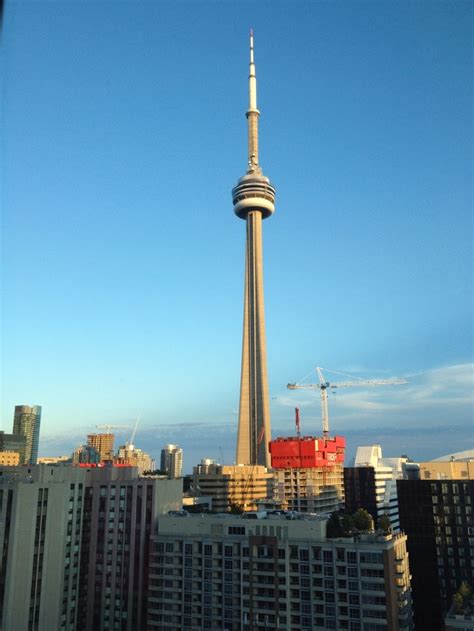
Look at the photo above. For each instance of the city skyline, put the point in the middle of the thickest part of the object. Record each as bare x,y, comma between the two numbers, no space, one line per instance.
122,121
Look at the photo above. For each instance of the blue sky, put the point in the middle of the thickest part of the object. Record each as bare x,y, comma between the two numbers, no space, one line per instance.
122,260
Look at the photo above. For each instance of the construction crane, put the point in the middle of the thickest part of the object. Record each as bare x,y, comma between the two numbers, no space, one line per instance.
324,384
109,427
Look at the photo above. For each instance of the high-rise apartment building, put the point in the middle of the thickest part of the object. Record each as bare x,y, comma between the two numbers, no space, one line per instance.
75,546
40,535
254,200
119,517
437,516
372,483
172,461
26,422
103,445
242,574
309,473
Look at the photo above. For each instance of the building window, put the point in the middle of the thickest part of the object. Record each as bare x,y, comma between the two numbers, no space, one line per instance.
352,557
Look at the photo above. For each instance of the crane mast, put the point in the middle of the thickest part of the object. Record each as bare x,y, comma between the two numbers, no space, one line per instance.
324,384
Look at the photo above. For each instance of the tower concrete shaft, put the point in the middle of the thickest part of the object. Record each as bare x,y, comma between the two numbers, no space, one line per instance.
254,200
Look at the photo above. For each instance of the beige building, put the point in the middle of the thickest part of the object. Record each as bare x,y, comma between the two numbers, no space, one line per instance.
262,571
54,459
447,470
228,485
9,458
134,457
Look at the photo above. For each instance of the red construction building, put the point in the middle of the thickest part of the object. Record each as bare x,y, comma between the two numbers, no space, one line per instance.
309,472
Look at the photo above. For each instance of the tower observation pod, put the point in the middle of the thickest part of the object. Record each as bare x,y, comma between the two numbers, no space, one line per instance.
254,200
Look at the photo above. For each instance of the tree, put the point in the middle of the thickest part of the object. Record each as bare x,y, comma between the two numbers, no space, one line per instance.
347,523
458,602
339,524
235,509
462,597
465,592
384,523
363,520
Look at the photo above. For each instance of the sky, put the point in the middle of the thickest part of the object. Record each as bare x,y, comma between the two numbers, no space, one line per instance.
122,260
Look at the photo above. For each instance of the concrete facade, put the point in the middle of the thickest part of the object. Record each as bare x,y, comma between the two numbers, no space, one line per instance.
40,533
244,574
75,544
311,490
253,199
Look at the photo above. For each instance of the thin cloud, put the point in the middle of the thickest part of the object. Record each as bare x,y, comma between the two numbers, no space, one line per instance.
449,389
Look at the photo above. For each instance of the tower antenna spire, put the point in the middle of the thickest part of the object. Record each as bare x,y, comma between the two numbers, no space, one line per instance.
252,114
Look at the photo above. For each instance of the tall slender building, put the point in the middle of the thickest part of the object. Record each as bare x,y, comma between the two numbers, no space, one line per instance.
26,422
172,461
254,200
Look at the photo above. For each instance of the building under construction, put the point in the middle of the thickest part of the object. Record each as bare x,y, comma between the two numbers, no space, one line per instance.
309,472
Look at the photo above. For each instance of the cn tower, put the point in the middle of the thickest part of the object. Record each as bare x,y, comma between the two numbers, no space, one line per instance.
254,200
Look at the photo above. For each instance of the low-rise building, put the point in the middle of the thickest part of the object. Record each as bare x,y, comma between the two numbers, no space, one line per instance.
14,442
233,485
9,458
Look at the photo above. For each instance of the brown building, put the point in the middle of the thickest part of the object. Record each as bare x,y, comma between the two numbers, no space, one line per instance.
103,444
